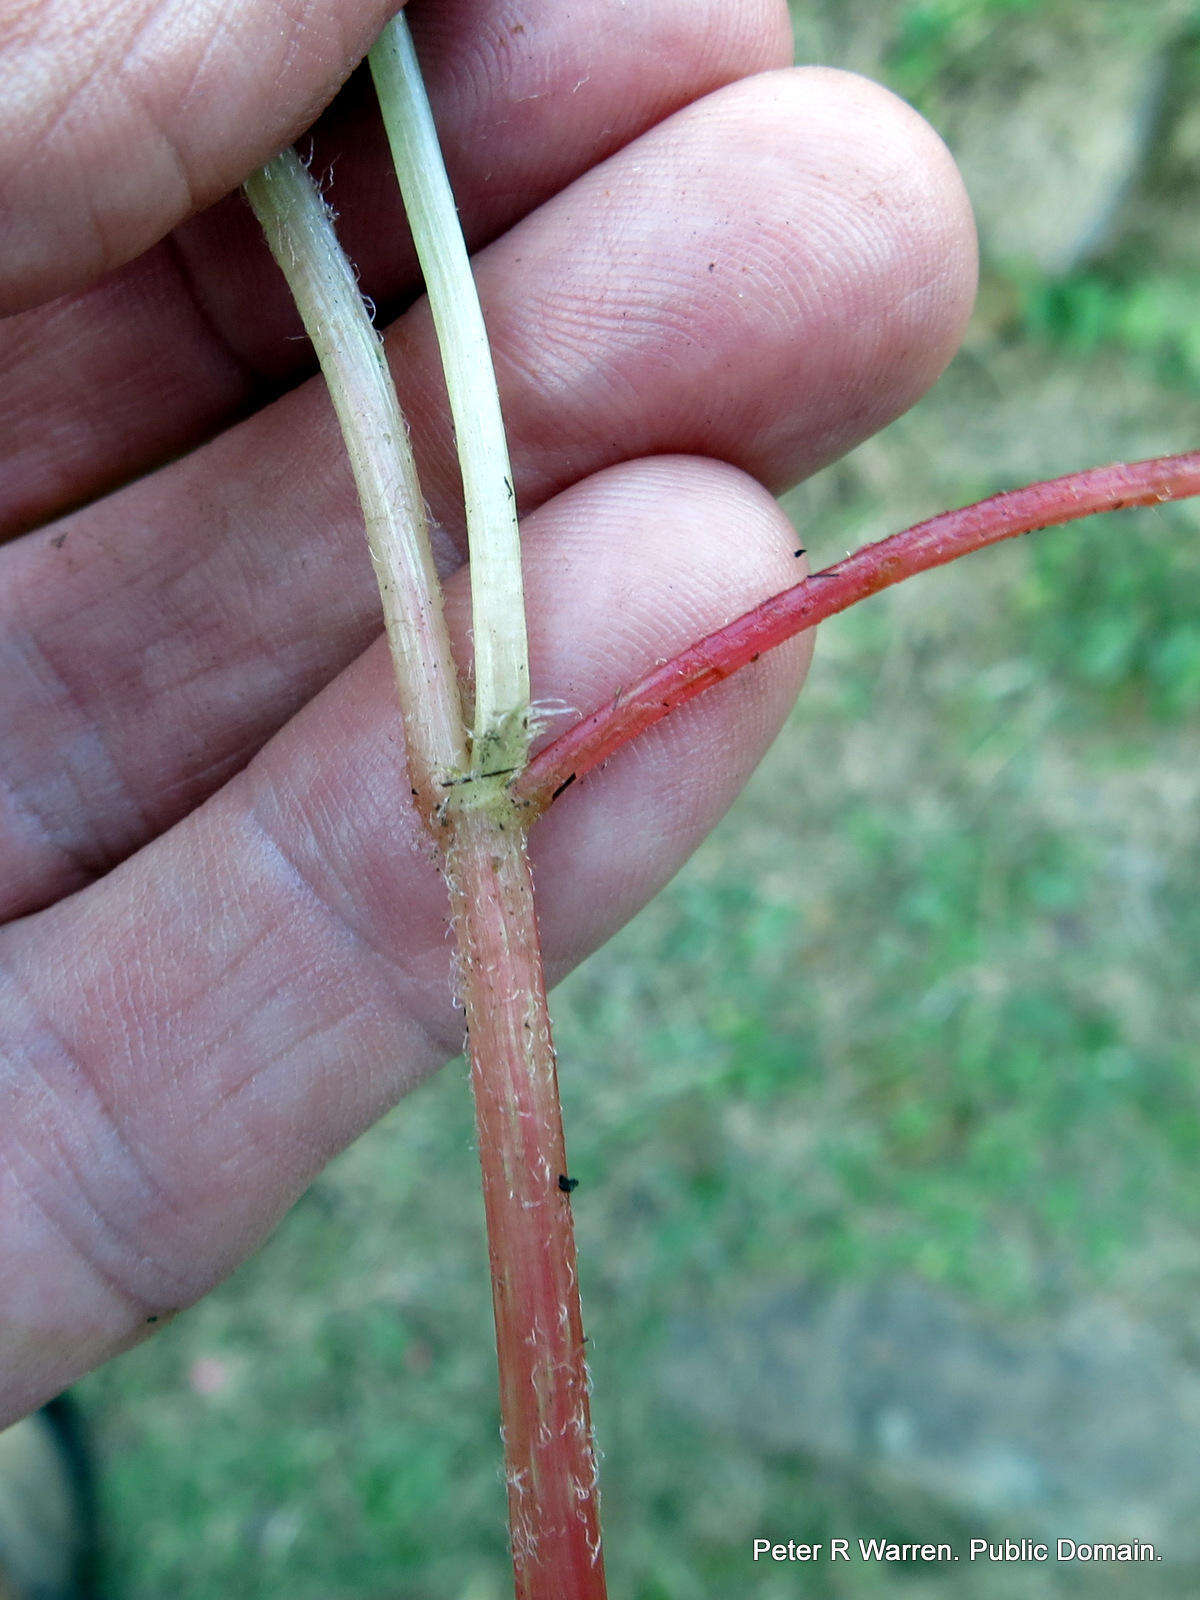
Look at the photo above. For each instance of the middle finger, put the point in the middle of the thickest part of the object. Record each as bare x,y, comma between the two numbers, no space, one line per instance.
765,278
161,355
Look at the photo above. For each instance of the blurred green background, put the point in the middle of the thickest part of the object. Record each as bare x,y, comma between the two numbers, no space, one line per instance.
923,1012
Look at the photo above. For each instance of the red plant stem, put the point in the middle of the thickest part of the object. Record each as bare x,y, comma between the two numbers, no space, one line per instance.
876,566
550,1464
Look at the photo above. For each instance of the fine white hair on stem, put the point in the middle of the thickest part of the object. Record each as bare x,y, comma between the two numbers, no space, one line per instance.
299,230
543,714
478,826
501,732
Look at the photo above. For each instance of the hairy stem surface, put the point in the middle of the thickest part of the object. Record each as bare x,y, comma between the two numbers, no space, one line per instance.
479,831
300,233
878,566
550,1463
497,605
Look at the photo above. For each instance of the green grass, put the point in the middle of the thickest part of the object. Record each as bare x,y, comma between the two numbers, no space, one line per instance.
1149,317
920,1007
924,1005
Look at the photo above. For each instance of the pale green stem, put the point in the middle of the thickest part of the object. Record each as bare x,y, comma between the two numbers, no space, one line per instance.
300,233
497,605
543,1378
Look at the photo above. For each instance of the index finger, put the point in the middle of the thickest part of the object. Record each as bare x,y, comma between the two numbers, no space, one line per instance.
117,121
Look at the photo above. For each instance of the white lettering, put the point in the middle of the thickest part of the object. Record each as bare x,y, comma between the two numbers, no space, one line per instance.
1010,1550
791,1551
880,1550
1133,1550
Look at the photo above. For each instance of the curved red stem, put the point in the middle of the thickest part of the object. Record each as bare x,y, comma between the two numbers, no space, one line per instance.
876,566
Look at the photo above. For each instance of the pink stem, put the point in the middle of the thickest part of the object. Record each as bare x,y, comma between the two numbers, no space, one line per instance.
876,566
550,1463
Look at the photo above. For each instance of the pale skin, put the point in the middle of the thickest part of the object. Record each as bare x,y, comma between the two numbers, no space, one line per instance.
225,953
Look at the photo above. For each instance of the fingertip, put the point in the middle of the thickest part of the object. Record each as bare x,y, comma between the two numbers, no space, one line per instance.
868,254
646,557
623,570
739,36
920,192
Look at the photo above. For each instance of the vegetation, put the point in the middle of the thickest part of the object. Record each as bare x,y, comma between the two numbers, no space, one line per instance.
923,1005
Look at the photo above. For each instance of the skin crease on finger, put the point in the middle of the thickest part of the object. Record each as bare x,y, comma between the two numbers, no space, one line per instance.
156,357
117,120
253,989
190,1038
155,640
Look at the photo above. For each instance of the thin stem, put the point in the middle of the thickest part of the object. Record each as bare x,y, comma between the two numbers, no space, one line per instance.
497,607
877,566
549,1458
300,233
550,1465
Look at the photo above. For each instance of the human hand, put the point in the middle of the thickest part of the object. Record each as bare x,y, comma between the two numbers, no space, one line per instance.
226,951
